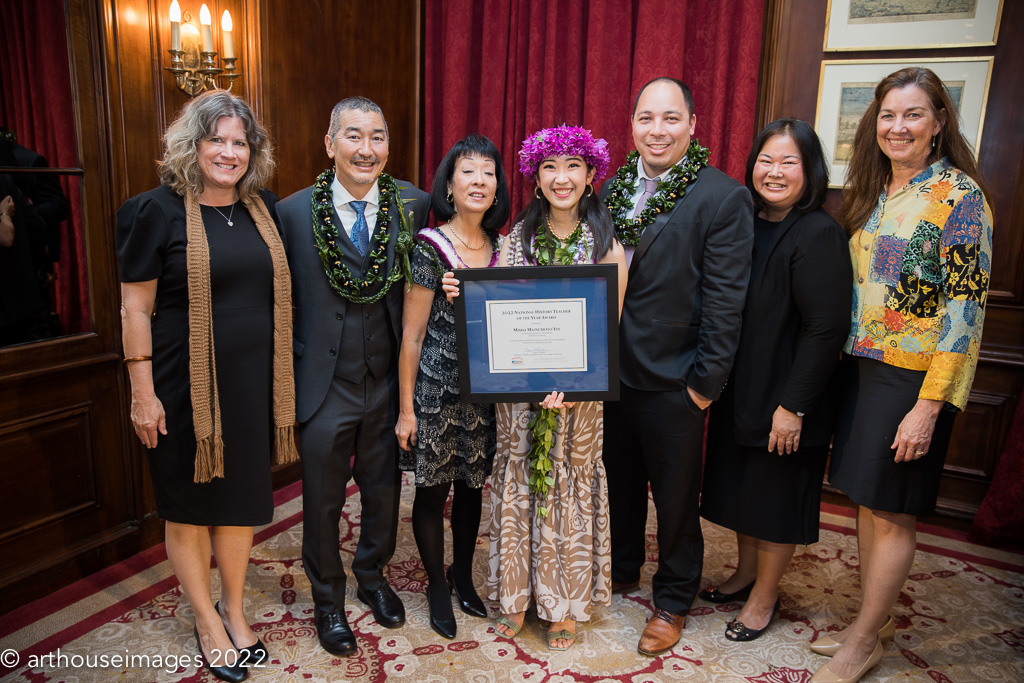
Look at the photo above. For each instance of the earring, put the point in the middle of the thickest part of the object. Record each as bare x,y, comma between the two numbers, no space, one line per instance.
495,202
536,192
449,197
590,186
933,141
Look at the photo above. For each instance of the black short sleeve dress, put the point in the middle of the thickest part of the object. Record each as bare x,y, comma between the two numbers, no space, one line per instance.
151,245
455,441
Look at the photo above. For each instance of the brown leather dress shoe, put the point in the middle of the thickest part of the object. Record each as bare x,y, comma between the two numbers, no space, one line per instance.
661,633
625,586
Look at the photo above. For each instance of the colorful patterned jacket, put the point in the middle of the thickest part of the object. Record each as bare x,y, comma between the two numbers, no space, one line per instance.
921,273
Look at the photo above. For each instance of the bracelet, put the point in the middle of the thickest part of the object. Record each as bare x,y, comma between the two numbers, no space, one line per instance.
136,358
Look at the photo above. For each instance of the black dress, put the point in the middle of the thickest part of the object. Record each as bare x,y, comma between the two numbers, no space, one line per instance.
151,245
794,323
454,440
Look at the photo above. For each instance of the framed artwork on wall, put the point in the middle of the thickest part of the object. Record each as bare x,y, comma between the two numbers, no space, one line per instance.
910,24
846,88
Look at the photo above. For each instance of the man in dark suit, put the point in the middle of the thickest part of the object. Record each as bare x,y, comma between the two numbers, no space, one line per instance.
346,259
688,233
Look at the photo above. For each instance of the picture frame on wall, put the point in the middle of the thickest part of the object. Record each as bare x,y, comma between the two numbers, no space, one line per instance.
910,24
846,88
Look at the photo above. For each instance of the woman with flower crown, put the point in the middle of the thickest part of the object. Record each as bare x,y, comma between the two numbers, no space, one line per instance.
554,549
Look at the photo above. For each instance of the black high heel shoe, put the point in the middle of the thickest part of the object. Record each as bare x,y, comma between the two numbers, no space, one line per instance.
254,655
712,594
231,674
445,627
738,633
473,606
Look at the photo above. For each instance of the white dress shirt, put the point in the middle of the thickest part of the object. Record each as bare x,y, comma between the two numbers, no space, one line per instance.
641,174
347,214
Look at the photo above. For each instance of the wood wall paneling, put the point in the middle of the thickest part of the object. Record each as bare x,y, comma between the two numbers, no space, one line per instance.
315,54
66,444
66,489
794,35
55,450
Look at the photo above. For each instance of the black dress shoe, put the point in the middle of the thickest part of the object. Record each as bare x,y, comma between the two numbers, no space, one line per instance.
254,655
712,594
472,604
737,632
334,634
232,674
387,607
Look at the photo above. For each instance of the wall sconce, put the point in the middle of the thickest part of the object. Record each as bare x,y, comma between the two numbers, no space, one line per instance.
193,59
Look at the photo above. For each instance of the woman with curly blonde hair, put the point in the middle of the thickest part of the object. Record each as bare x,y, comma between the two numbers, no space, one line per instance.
206,313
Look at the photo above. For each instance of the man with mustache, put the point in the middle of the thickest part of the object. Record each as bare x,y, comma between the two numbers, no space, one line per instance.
348,255
688,230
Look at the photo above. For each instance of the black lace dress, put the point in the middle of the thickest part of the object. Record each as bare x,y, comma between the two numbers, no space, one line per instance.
454,440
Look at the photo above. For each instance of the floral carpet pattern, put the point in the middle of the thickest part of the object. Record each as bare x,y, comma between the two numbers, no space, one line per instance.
960,617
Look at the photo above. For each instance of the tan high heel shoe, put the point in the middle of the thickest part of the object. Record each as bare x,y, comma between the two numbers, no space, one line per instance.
827,646
825,674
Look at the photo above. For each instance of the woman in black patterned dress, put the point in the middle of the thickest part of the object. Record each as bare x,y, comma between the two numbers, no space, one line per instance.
444,440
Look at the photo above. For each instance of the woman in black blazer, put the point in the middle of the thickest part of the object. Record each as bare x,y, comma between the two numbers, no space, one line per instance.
779,397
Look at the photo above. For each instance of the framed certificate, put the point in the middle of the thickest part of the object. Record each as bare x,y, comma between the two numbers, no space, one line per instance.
524,332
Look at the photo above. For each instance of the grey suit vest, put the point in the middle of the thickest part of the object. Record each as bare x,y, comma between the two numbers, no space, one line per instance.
365,344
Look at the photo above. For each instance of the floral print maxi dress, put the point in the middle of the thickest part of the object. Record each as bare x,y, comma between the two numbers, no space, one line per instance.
562,561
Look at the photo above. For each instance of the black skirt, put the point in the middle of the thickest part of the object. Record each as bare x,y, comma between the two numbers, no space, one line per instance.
875,399
764,495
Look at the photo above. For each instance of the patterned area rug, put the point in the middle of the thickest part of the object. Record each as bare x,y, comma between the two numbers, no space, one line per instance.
960,617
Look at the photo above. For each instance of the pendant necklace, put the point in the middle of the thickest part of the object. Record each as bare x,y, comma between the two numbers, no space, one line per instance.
459,237
228,217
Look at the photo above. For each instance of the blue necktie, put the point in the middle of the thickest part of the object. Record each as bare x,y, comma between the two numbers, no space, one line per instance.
360,231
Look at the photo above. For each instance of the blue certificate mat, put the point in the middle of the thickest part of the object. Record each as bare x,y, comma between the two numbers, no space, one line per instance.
524,332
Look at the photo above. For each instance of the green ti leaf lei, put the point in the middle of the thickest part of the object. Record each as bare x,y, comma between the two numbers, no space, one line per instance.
620,199
544,425
548,250
325,235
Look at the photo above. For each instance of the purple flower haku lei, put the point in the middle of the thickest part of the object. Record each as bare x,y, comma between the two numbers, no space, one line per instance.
563,141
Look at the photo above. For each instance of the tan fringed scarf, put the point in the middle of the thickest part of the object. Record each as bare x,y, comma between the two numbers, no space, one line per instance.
203,366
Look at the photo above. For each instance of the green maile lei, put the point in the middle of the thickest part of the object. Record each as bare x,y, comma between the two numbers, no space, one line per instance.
549,250
325,235
620,198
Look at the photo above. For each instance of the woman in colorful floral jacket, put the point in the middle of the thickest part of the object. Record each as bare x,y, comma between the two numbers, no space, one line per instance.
921,242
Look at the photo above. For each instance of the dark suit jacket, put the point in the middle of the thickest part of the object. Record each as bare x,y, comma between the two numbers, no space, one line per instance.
796,318
681,316
319,312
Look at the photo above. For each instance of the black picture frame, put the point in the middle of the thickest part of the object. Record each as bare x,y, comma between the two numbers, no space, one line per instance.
484,289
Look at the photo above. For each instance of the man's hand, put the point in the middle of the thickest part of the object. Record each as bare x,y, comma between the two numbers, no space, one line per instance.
701,401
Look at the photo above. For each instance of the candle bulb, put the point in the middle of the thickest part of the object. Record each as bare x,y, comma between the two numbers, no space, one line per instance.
205,19
225,39
175,16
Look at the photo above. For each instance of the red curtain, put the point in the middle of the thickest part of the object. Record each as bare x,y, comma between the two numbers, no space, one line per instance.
35,103
505,68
